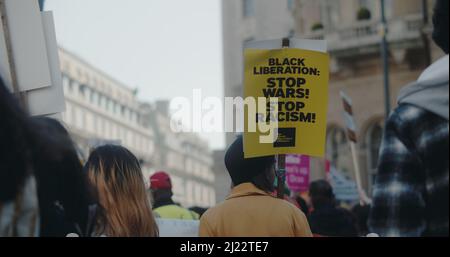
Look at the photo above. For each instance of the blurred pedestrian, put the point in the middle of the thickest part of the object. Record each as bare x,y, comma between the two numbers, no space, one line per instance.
250,209
66,200
117,177
19,210
303,205
326,218
411,193
163,206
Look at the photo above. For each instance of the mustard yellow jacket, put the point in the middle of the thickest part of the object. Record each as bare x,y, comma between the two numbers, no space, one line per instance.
251,212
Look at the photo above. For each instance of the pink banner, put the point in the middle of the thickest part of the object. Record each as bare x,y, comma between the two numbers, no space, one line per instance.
297,172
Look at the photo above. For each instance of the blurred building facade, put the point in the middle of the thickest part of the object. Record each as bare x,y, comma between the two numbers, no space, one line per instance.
352,31
223,180
249,20
101,110
185,156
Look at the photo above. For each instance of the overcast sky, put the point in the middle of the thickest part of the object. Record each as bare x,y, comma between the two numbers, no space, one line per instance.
164,48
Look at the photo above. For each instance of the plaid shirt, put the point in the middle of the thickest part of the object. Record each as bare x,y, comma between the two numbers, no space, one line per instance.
411,196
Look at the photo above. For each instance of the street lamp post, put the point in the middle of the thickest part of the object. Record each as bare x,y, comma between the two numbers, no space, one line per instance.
41,4
424,35
385,57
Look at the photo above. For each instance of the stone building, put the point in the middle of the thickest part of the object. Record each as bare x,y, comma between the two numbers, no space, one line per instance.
352,31
100,110
356,67
185,156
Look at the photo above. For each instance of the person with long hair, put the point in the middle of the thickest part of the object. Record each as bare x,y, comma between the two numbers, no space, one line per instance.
43,190
116,175
67,203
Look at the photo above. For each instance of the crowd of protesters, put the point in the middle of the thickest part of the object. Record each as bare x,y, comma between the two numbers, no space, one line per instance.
46,191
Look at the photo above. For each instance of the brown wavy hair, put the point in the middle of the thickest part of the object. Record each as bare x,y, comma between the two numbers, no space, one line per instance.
116,174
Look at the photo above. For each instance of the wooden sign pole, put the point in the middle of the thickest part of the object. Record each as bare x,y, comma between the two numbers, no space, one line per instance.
281,159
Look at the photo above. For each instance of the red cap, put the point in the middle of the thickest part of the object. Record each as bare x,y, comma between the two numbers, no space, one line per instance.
160,180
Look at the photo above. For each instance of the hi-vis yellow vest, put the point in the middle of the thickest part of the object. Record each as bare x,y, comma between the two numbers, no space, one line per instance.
175,212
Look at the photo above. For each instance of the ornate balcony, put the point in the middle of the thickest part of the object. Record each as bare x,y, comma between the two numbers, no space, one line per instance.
365,36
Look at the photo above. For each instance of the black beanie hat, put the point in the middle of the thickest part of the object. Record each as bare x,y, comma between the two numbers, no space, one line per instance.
440,23
244,170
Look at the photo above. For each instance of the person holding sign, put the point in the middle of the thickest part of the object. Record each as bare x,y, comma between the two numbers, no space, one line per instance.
290,86
250,210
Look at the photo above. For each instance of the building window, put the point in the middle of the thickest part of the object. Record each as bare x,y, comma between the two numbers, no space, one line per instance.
91,97
366,5
338,152
330,13
68,114
66,83
198,194
104,129
82,90
103,102
110,106
71,85
133,117
78,118
116,108
94,97
290,4
99,100
126,113
248,8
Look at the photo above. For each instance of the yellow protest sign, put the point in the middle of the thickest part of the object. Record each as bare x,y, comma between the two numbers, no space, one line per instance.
290,88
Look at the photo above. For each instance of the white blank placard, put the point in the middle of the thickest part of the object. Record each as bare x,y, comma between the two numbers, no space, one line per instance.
5,71
27,39
308,44
178,228
48,100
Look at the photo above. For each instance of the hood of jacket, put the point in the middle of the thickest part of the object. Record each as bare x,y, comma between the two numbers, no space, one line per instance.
430,91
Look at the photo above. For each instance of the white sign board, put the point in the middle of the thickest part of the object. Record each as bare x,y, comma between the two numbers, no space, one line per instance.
27,39
178,228
48,100
5,72
313,45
